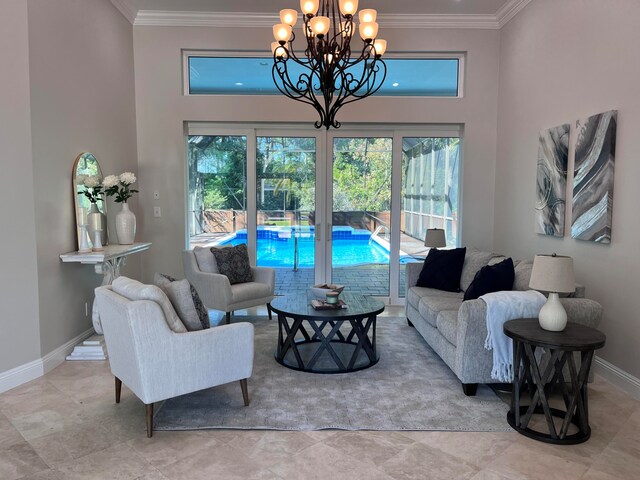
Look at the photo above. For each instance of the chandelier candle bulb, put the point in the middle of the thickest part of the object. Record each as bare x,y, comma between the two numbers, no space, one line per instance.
348,7
368,31
309,7
367,15
289,16
320,25
282,32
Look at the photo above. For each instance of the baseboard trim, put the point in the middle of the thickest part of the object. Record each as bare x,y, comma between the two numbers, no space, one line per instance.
24,373
52,359
30,371
618,377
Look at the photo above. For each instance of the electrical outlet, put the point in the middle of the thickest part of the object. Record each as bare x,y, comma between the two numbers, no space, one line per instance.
156,195
157,212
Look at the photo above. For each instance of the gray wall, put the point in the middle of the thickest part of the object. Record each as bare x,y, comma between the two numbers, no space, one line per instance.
19,327
560,61
82,99
162,110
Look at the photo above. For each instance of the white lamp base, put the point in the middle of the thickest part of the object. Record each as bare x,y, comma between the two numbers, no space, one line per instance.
553,316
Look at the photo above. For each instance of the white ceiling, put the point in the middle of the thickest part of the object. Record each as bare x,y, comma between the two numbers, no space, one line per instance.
422,7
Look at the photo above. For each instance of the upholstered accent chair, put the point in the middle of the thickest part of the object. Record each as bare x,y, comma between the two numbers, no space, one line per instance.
218,293
156,362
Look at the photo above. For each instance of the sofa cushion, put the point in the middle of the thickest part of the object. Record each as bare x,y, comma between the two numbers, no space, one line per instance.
233,262
241,292
134,290
447,324
474,260
491,278
185,301
430,307
522,275
442,269
205,259
415,294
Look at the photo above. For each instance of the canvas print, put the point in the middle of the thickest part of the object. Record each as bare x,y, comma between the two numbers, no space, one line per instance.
551,187
593,177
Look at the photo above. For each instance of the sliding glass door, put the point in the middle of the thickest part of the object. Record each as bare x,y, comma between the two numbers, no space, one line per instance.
286,200
361,213
345,206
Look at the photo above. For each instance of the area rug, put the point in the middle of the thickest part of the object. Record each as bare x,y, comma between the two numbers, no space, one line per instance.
410,388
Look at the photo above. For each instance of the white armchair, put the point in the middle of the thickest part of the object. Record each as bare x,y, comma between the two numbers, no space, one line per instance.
157,363
215,290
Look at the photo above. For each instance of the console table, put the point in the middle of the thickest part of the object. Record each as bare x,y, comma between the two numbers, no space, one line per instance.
540,381
106,263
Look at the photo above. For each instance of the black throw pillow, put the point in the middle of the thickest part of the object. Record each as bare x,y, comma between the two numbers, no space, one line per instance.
234,263
491,278
442,269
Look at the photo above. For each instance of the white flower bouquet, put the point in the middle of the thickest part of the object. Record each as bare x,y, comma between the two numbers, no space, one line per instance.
92,187
120,186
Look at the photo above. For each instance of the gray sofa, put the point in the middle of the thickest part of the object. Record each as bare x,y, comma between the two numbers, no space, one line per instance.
456,330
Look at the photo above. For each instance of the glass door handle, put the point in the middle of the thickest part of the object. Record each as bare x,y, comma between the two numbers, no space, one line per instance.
318,232
328,236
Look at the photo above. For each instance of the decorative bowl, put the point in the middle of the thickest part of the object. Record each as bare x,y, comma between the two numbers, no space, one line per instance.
321,290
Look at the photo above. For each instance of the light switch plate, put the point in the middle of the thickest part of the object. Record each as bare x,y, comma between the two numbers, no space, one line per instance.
157,212
156,195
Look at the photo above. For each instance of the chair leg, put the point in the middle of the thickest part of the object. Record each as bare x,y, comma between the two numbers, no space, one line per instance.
228,318
269,311
149,417
245,391
118,389
470,389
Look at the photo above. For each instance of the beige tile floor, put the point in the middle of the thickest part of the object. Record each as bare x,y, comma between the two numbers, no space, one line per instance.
65,425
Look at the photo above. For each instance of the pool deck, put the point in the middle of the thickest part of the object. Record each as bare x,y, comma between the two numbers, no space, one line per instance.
365,279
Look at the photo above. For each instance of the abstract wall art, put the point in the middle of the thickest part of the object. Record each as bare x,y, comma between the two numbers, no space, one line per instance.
551,183
593,177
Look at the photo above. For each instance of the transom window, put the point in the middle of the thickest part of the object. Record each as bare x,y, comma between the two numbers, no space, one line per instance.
420,77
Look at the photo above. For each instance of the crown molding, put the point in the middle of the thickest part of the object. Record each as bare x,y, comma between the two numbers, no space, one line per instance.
127,9
510,10
160,18
170,18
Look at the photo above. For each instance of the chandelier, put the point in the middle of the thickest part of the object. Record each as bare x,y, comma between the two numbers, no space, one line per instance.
329,74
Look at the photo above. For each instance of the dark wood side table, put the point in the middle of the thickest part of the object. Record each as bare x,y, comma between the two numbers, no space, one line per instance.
539,382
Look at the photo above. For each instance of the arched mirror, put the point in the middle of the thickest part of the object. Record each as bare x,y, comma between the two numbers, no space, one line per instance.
90,202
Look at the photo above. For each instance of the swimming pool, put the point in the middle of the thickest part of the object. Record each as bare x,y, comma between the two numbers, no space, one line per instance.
276,247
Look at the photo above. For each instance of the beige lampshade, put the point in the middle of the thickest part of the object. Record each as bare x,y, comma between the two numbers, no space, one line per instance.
282,32
320,25
435,238
309,7
368,15
552,273
288,16
380,46
348,7
369,31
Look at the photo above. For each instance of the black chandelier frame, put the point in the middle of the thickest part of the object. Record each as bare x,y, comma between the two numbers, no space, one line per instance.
332,77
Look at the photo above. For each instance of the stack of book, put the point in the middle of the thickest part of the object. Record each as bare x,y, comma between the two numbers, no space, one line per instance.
323,305
89,350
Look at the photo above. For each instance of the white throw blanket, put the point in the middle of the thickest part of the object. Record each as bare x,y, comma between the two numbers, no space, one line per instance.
503,306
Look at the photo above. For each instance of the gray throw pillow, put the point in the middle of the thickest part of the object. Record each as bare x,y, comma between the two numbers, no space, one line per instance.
233,262
185,300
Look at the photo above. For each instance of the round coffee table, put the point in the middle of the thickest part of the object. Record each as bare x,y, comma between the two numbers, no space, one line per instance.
327,341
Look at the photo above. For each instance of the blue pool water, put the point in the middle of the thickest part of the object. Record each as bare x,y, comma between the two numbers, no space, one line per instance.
350,247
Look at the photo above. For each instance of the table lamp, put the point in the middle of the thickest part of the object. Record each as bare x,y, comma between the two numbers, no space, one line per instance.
435,238
552,274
